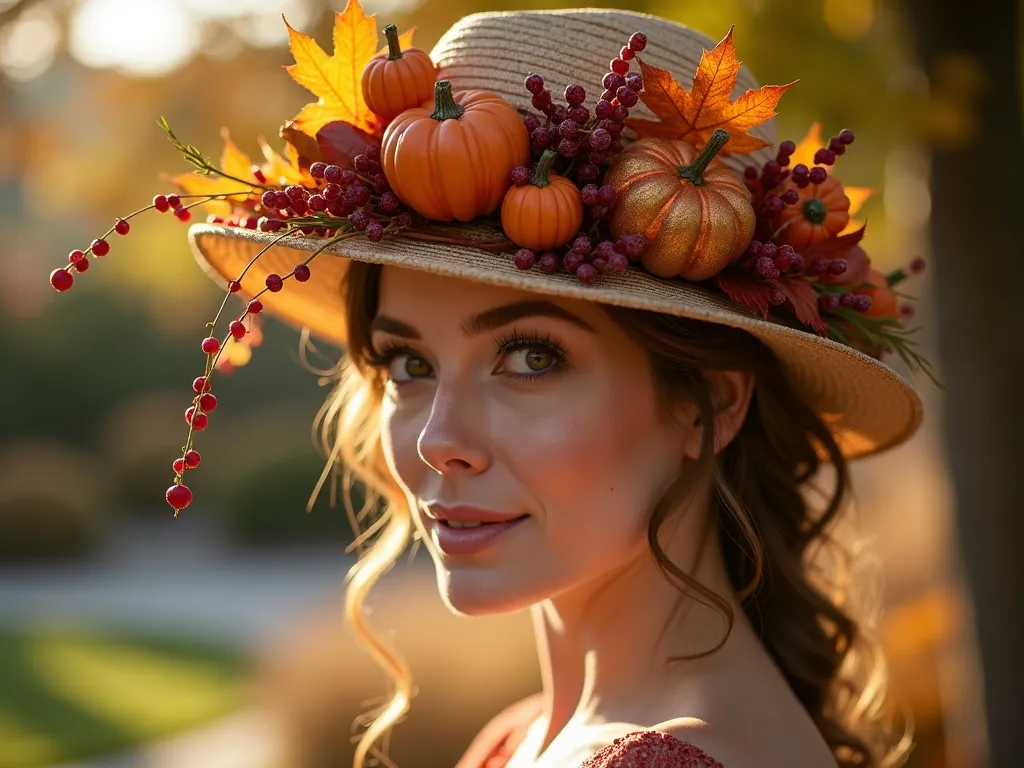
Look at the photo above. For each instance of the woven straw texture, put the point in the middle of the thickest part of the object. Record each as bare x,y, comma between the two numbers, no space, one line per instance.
867,405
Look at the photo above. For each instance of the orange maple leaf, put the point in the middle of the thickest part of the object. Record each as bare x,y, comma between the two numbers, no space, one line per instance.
804,153
695,114
337,79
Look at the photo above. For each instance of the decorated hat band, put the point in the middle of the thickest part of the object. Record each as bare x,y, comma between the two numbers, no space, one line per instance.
687,195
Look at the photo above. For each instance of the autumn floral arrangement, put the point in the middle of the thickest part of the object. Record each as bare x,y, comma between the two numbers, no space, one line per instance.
570,195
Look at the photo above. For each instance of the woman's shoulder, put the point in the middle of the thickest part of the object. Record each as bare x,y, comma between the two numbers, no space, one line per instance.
650,749
496,742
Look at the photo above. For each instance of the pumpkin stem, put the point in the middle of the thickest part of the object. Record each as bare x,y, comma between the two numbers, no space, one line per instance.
694,172
540,176
815,211
394,47
445,106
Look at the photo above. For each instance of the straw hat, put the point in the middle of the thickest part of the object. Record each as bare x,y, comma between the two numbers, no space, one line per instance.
868,406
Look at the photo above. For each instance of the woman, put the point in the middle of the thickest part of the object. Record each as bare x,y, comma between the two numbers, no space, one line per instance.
618,427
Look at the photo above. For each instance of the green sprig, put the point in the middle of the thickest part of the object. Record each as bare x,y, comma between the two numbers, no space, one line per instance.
203,165
854,329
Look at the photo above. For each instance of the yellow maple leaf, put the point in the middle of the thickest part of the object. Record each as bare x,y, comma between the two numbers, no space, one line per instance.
336,79
280,171
695,114
804,153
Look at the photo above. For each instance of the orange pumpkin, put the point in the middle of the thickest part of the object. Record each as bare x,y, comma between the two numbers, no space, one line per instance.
883,298
546,212
397,80
454,162
694,212
821,211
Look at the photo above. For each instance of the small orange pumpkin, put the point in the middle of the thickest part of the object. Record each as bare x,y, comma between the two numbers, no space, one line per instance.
454,162
397,80
546,212
694,212
821,211
883,298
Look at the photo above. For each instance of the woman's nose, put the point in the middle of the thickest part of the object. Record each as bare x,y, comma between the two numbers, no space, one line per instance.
452,440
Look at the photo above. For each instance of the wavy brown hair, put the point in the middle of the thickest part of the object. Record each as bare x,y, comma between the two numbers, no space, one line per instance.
786,567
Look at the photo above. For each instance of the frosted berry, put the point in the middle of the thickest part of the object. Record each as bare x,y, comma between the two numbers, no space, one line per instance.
548,263
597,211
607,95
846,136
199,421
332,173
605,250
776,297
571,262
254,307
316,170
283,201
210,345
557,113
568,148
620,113
580,114
586,273
861,302
627,96
160,203
122,227
617,263
790,196
590,194
404,219
917,266
588,172
237,330
525,258
635,81
178,496
76,256
317,203
61,279
374,231
541,99
619,66
359,219
532,123
766,268
828,302
173,200
575,94
301,273
183,214
613,81
626,53
274,282
606,195
363,164
846,300
581,245
637,42
200,384
603,109
192,459
100,247
520,175
269,198
774,205
635,245
754,249
817,175
534,83
567,129
541,138
837,267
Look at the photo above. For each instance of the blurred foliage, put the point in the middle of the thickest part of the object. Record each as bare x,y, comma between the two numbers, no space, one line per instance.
70,694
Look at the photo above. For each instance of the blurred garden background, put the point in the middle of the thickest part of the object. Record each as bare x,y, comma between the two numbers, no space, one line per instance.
130,638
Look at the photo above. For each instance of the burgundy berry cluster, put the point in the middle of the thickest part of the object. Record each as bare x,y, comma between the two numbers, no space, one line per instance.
585,258
586,138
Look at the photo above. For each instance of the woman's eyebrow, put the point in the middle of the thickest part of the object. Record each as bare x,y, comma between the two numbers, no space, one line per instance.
488,320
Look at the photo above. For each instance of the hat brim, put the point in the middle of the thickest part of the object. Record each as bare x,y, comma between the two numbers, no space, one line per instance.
868,406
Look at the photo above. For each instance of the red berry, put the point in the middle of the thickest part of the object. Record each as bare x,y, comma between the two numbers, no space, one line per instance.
374,231
824,157
627,53
520,175
82,265
363,164
917,266
782,262
861,302
590,194
208,403
635,245
380,182
828,302
557,113
254,307
548,263
183,214
567,129
581,245
372,152
269,198
61,279
531,122
836,146
525,258
580,114
317,203
613,81
100,247
618,264
160,203
568,148
571,262
627,97
605,249
588,172
283,201
637,41
766,268
790,196
192,459
846,136
316,170
635,81
534,84
586,273
76,256
199,421
257,173
846,300
122,227
178,496
774,205
178,465
817,175
606,194
837,267
210,345
619,114
404,219
541,138
575,94
541,99
200,384
332,173
274,282
173,200
619,66
301,273
608,95
237,329
603,109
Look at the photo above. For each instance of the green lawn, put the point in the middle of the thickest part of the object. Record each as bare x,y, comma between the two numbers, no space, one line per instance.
68,694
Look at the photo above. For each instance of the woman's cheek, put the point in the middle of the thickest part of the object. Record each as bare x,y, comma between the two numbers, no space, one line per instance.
399,434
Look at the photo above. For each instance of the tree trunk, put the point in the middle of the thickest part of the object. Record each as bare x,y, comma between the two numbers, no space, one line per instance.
977,232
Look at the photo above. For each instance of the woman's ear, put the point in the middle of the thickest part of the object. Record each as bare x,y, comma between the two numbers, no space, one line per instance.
731,392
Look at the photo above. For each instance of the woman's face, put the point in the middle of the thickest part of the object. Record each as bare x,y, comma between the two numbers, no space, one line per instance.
508,402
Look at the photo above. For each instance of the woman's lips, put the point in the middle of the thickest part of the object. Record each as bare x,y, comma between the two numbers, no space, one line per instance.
470,541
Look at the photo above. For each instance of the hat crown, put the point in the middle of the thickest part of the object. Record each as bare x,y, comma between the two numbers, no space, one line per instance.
496,51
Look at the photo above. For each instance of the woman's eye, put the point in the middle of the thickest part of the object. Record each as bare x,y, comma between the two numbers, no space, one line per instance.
405,367
530,360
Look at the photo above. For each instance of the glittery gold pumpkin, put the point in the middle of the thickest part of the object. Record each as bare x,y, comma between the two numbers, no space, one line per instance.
694,212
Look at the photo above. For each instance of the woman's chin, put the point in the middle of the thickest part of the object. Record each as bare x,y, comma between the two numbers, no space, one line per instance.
469,591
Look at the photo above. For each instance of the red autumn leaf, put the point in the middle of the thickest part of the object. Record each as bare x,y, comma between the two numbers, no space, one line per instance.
339,143
745,289
804,300
834,247
695,114
305,147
